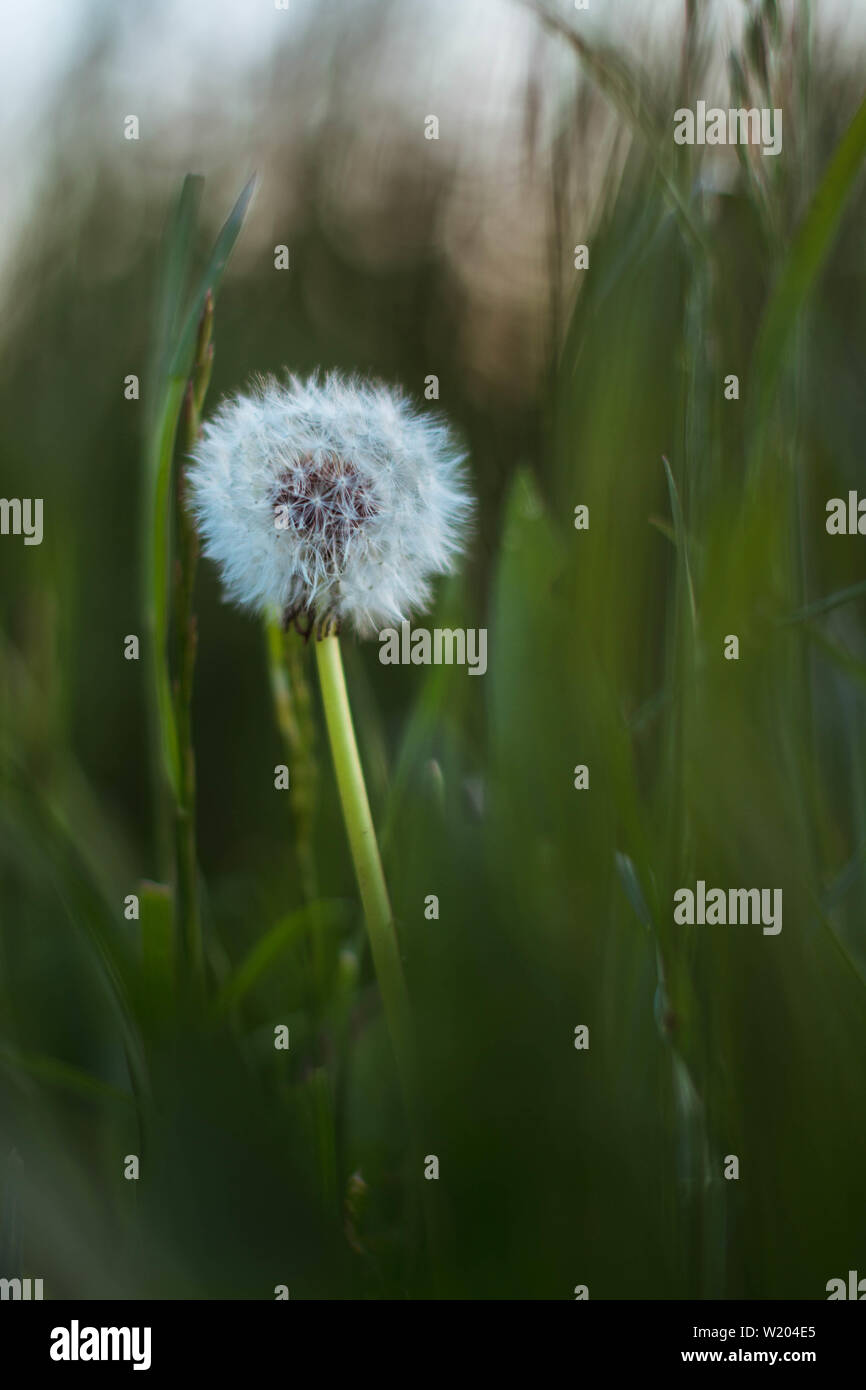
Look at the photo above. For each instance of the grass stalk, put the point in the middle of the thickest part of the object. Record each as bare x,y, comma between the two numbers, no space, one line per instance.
181,365
291,700
185,858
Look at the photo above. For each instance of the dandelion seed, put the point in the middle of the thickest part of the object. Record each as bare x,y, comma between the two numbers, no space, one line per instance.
329,499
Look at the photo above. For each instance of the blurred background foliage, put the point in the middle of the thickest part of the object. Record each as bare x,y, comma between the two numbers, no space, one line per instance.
456,258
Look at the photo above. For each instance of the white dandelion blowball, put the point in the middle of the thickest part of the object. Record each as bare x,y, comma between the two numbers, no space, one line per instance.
331,499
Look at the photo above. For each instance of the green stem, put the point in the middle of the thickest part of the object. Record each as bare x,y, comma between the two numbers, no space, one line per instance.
365,855
156,590
191,959
291,700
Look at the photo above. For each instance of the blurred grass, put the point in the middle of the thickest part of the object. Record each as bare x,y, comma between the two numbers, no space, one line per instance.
558,1166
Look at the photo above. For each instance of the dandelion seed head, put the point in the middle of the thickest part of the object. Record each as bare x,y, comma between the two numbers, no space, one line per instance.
331,496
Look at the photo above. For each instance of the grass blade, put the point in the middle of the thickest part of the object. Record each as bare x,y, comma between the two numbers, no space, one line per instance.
807,254
181,360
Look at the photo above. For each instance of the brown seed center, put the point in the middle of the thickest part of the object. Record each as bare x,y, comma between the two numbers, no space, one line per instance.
323,498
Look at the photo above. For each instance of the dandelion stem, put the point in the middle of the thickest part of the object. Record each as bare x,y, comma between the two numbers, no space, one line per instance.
365,854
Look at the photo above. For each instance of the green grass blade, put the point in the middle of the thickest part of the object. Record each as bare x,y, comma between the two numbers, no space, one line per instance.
160,455
828,603
174,277
681,542
61,1075
157,953
807,254
213,273
319,916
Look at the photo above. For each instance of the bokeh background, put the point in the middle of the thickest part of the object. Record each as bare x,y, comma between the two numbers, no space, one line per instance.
452,257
